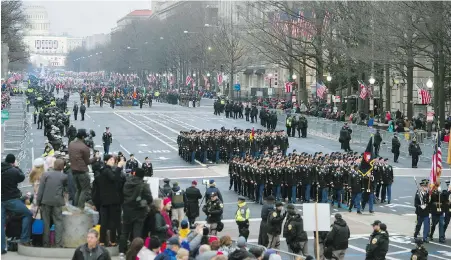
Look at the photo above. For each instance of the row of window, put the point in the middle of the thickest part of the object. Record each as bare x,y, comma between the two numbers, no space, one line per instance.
46,44
39,26
35,16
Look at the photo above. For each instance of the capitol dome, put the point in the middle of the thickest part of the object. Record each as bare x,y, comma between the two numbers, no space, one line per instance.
38,20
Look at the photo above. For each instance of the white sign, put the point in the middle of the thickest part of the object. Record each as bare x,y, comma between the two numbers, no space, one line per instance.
270,91
322,216
154,185
259,93
336,99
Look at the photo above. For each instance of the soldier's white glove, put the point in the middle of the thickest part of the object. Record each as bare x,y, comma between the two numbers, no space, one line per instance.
423,206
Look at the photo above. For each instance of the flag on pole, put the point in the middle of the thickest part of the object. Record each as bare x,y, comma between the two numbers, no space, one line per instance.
251,136
363,91
220,79
188,80
436,169
320,90
366,165
424,96
288,87
449,153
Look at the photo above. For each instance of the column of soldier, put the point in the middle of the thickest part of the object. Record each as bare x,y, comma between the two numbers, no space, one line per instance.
222,145
318,177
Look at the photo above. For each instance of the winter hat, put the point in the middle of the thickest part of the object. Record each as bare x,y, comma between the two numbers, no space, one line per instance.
10,158
139,172
241,242
166,201
194,182
154,243
38,162
184,223
211,239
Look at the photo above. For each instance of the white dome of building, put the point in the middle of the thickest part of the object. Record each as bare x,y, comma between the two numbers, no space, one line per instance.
38,21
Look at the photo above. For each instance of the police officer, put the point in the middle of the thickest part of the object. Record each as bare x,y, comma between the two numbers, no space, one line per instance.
75,110
422,210
242,216
147,167
40,119
302,126
212,189
193,196
415,152
377,142
395,146
275,220
35,115
437,215
293,232
419,253
345,137
107,139
213,209
377,247
82,111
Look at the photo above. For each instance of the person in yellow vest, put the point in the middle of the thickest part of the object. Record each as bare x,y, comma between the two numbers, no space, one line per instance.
242,216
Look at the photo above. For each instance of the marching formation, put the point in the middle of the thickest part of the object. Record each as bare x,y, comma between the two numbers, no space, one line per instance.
222,145
319,177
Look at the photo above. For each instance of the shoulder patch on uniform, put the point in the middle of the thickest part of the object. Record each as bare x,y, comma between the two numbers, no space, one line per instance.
374,241
221,205
290,227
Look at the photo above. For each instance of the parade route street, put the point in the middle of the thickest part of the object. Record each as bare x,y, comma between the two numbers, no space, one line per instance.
153,132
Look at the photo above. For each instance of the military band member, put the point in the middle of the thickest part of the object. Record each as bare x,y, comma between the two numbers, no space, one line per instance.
355,188
387,181
437,214
422,210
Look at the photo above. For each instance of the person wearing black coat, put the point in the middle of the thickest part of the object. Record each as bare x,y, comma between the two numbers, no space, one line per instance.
345,137
377,247
82,111
294,233
377,142
266,210
107,189
415,152
193,196
156,224
275,220
338,238
395,145
91,250
247,111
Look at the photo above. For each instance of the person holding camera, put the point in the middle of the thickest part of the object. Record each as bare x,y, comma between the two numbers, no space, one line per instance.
275,220
213,209
11,177
79,160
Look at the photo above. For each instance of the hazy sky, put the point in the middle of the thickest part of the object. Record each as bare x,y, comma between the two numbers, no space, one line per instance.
84,18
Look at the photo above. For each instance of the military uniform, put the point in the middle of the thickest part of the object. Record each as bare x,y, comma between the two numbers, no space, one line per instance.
422,211
437,214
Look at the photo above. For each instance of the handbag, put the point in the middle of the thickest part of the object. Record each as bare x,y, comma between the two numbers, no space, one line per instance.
37,228
141,202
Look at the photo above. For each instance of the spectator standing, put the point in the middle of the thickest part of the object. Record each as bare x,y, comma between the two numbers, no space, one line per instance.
107,191
11,177
79,160
193,196
178,199
338,238
212,189
167,205
35,178
137,197
91,250
51,201
166,187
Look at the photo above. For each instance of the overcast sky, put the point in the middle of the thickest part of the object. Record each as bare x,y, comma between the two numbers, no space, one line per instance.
84,18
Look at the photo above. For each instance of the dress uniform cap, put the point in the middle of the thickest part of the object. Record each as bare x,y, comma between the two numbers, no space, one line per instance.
290,206
166,180
241,198
376,223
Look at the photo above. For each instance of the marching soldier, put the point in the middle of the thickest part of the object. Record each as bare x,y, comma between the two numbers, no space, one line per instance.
387,181
422,210
214,209
355,188
368,192
447,206
437,214
242,216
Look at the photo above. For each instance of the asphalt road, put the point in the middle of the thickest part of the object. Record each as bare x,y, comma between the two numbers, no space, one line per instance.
153,132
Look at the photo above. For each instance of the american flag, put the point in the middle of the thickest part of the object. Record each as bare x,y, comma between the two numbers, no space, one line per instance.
288,87
363,91
220,78
436,169
424,96
320,90
188,80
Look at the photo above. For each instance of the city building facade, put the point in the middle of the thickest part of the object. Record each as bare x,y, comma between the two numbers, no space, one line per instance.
135,15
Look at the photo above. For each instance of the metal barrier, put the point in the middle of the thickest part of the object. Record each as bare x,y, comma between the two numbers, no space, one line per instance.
16,132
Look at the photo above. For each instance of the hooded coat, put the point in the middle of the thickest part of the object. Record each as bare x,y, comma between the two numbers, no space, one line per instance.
135,187
338,237
11,177
263,235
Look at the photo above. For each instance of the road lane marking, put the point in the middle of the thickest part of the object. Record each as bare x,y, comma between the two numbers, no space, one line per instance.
364,251
128,152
